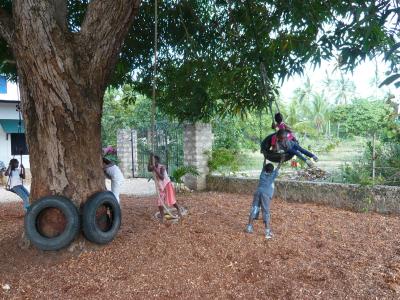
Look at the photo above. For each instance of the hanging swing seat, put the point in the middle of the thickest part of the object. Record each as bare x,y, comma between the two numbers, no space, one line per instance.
272,155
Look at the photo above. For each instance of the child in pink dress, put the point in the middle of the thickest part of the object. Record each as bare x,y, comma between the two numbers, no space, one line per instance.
165,187
282,125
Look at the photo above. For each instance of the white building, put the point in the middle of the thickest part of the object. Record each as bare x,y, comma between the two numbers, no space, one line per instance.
12,131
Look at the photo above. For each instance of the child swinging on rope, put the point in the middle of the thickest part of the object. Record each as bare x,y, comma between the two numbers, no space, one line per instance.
166,192
285,141
15,176
283,144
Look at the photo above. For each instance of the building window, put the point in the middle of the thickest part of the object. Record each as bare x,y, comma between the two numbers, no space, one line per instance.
3,85
18,144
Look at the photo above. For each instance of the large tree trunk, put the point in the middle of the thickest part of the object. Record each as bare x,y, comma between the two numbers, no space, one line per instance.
63,137
62,77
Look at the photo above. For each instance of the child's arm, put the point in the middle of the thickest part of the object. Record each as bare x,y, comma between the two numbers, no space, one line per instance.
275,173
8,171
287,127
106,173
150,166
160,173
22,173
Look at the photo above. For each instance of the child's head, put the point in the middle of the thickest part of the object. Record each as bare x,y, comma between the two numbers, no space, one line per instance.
106,161
278,118
268,168
14,163
281,135
156,159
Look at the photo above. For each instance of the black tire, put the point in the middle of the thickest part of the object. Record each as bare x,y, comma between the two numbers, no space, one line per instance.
91,229
271,155
66,237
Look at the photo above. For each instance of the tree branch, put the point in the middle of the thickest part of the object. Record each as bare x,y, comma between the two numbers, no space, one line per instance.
103,31
6,26
61,12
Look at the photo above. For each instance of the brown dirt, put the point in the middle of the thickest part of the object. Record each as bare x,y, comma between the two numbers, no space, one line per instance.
317,252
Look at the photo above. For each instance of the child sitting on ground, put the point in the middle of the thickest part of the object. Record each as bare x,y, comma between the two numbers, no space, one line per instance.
114,173
15,181
263,197
164,184
283,144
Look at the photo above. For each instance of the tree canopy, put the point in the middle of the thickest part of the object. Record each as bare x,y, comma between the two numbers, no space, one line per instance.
210,51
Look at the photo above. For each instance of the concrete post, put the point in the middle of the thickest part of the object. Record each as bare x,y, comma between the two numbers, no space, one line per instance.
197,140
127,151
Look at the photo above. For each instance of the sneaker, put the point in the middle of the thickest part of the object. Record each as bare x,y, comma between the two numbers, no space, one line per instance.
309,163
268,234
249,228
315,158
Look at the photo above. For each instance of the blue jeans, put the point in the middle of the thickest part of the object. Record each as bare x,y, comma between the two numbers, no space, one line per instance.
263,200
295,149
23,193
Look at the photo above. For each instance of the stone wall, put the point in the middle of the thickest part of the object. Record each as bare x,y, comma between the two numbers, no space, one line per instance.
382,199
126,147
197,140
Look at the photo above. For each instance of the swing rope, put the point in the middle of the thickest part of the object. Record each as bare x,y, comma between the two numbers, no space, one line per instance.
265,82
19,131
153,109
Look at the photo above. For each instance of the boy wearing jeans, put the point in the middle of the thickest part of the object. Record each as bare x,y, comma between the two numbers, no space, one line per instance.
263,197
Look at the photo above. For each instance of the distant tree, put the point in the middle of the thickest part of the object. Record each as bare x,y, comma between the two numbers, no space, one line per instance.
319,112
344,90
362,116
305,93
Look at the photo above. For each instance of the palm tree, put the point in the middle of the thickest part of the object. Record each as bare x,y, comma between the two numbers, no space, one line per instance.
304,94
344,90
318,112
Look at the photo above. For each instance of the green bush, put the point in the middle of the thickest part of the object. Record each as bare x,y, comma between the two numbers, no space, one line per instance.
180,172
223,160
387,165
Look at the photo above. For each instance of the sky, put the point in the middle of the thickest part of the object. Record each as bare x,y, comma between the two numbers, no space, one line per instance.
361,77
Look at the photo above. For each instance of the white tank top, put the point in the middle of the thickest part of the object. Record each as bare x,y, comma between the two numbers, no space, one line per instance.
115,173
163,183
15,179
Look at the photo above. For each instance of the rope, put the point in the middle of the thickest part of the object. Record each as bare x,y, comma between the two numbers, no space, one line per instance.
263,72
153,104
277,107
20,128
153,107
19,131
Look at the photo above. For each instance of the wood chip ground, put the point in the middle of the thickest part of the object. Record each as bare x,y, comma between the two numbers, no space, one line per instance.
317,252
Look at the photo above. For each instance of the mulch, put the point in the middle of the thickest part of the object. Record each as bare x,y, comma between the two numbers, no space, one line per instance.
317,252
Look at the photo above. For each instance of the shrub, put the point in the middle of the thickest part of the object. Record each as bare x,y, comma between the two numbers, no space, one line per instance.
223,160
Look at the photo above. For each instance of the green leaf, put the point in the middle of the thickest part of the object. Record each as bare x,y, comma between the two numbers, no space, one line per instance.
390,79
392,50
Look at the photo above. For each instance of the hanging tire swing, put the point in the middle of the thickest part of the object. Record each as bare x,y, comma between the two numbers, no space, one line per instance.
55,239
271,155
101,218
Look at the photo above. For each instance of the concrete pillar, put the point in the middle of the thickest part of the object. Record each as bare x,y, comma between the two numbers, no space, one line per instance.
126,150
197,140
